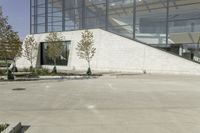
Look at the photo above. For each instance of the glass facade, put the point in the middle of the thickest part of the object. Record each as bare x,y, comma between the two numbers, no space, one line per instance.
62,60
172,25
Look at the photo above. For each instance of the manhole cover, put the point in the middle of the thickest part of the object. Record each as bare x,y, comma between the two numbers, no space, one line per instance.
19,89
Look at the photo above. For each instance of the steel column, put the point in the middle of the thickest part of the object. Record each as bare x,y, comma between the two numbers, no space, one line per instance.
134,18
167,23
63,15
107,10
46,15
35,16
83,14
31,16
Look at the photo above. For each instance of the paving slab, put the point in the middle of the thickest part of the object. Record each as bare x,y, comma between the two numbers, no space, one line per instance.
108,104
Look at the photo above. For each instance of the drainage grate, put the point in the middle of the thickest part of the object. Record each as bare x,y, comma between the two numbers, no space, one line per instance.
19,89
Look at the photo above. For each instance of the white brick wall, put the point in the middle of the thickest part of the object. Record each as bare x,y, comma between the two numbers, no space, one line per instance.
115,53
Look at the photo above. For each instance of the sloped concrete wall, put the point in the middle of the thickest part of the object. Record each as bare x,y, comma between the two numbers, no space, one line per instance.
116,53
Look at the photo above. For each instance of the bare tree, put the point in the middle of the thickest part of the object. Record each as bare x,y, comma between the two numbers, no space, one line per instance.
85,48
30,48
55,47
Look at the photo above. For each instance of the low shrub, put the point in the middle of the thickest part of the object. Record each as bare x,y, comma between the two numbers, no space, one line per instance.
2,72
3,63
3,127
41,71
10,75
36,71
25,70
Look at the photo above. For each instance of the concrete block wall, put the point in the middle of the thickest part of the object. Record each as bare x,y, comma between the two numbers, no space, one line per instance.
119,54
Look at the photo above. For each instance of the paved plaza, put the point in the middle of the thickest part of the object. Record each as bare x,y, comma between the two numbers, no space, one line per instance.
109,104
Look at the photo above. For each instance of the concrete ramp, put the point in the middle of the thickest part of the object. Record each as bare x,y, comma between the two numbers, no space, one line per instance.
116,53
119,54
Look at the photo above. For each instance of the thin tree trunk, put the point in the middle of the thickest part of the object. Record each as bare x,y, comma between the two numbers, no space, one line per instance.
89,72
13,66
54,62
31,67
31,62
55,69
6,64
88,64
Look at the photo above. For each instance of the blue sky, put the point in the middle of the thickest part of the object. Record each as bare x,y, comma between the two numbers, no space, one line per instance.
18,12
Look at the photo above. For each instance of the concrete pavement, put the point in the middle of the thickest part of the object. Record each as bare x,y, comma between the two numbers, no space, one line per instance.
116,104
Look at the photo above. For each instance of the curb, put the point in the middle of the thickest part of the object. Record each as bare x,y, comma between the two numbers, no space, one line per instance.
66,77
52,78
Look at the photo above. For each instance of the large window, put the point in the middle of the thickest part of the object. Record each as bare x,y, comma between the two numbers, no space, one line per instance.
168,24
62,60
120,17
184,20
72,14
150,21
151,16
54,15
184,27
38,16
95,14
